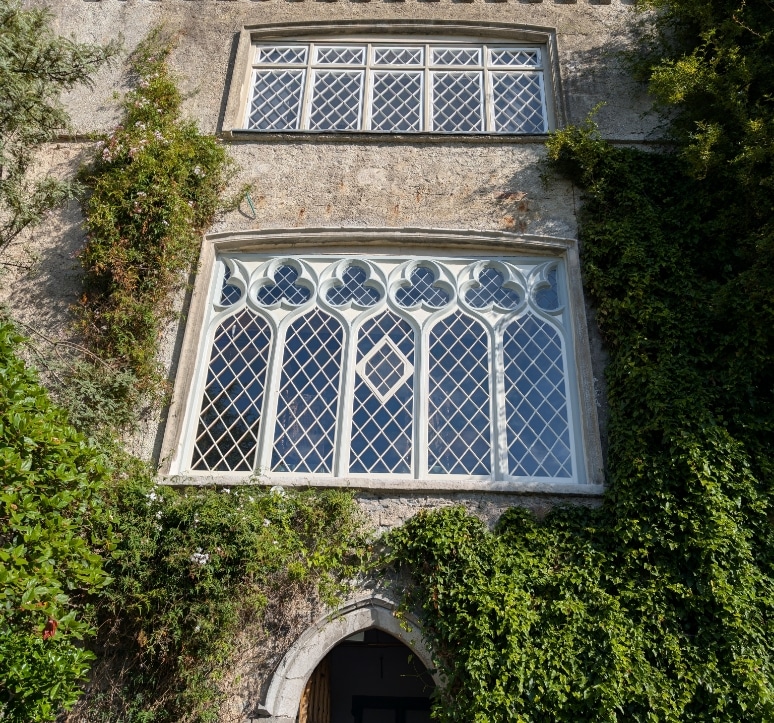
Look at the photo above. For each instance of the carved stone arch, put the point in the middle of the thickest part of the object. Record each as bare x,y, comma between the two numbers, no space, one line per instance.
298,664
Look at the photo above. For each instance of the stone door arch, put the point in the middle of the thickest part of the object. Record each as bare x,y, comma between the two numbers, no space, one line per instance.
298,664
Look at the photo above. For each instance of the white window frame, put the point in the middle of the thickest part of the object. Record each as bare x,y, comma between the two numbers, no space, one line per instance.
487,36
557,253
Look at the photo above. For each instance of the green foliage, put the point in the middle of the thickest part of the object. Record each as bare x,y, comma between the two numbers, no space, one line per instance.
35,67
51,534
196,567
155,186
657,606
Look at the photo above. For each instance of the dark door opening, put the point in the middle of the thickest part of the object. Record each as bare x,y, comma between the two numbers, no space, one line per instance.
370,677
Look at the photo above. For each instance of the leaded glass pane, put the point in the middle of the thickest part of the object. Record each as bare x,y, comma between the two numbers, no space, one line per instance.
233,395
547,297
536,400
308,396
353,288
398,56
458,424
340,56
276,100
396,102
422,289
383,408
229,294
518,103
457,102
284,288
491,291
514,57
336,100
456,56
293,55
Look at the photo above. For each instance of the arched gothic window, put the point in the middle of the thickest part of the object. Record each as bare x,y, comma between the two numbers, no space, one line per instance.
414,367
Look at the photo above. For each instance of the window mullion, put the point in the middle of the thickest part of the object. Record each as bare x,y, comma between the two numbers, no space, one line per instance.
270,398
346,394
497,402
308,87
488,109
428,98
421,397
365,122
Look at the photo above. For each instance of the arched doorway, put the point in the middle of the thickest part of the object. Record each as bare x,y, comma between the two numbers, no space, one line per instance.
290,678
369,677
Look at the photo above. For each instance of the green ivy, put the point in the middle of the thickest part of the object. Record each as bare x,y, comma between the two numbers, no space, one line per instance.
52,534
658,605
155,186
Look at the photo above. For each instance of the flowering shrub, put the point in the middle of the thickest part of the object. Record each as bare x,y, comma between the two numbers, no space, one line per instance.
155,186
192,569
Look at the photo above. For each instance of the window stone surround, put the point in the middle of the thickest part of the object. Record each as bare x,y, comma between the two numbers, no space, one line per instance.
345,239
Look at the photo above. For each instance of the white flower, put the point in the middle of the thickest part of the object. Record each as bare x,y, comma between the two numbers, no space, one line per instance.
278,491
226,491
158,515
266,522
198,171
199,557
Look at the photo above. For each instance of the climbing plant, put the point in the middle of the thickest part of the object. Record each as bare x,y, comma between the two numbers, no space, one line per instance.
658,605
154,186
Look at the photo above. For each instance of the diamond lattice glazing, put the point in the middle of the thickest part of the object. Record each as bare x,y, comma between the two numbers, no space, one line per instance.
518,103
278,55
276,100
308,397
536,400
336,100
458,424
491,291
456,56
396,103
547,297
340,56
398,56
514,56
382,415
421,290
284,288
353,288
233,395
457,102
229,294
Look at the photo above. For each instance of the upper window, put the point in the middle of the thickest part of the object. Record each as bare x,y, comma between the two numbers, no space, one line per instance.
399,366
397,87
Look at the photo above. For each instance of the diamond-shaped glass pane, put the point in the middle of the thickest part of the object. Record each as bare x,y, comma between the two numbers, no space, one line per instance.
458,424
284,288
536,400
398,56
382,423
515,56
456,56
340,56
457,102
233,394
336,100
229,294
353,288
422,290
491,291
547,297
282,55
396,101
518,103
308,395
276,100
